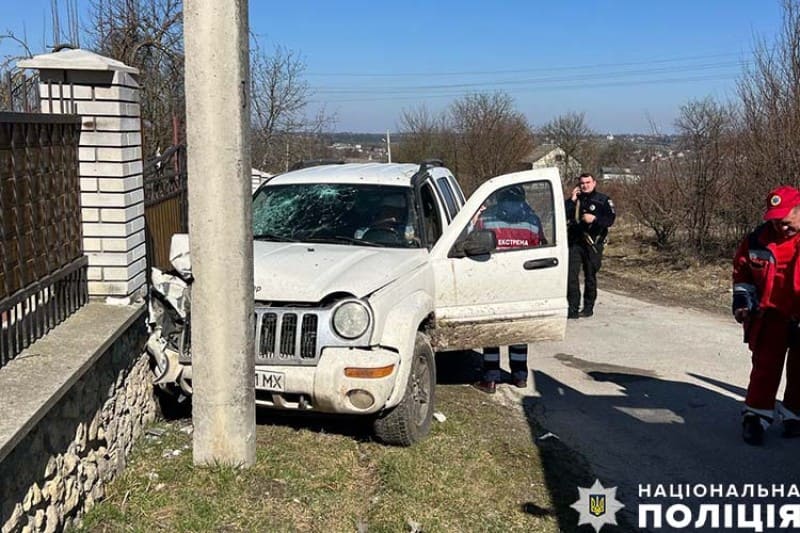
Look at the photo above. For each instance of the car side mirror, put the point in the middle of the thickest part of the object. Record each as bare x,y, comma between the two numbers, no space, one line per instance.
478,242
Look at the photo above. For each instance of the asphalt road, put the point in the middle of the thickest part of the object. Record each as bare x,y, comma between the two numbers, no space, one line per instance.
652,394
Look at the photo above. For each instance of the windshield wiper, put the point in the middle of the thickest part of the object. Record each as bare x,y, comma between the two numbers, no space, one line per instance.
343,238
272,237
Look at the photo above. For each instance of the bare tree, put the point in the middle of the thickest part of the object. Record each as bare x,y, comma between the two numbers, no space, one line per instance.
425,136
655,201
770,111
18,89
491,137
570,132
282,131
148,35
706,132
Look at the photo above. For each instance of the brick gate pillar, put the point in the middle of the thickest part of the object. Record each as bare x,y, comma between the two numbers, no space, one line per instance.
105,93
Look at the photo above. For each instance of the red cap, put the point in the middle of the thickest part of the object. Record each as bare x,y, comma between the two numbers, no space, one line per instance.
781,201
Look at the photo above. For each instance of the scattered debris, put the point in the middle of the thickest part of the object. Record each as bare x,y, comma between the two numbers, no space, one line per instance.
159,487
156,431
547,436
439,416
414,526
171,453
188,429
152,476
115,300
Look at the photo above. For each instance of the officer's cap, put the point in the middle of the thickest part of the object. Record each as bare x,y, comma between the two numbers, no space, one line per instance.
781,201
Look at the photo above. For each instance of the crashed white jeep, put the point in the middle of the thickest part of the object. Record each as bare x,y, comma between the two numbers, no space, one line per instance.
362,271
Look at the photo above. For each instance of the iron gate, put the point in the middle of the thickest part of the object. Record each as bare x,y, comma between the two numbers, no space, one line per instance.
166,203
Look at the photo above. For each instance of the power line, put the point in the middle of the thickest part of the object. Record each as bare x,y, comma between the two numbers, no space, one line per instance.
521,71
613,75
718,77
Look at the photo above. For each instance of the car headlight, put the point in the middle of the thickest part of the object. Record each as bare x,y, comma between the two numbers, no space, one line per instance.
351,319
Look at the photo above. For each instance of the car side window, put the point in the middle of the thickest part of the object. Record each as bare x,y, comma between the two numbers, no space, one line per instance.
431,218
520,216
449,198
458,190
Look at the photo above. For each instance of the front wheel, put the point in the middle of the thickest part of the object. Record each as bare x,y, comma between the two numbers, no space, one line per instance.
410,420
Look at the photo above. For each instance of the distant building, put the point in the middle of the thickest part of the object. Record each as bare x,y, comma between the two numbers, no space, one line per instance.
618,174
551,155
258,177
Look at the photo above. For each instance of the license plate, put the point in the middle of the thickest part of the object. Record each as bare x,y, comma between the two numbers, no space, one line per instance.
273,381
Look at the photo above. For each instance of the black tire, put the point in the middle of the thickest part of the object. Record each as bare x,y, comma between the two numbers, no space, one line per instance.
410,420
172,403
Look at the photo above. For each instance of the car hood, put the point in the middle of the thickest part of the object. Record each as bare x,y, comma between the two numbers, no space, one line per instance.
300,272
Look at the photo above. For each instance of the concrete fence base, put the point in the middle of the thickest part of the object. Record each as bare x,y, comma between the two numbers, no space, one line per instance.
76,404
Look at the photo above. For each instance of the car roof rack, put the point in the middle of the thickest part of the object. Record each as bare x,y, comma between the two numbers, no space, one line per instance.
306,163
425,164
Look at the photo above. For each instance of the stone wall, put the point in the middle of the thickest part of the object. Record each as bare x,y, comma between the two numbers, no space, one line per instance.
62,465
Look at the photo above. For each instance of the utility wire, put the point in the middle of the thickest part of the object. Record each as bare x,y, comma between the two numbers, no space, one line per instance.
613,75
581,86
522,71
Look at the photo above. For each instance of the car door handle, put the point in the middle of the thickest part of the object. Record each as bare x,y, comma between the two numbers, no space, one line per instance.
547,262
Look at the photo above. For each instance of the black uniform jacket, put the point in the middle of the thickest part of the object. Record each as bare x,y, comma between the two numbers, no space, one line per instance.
599,205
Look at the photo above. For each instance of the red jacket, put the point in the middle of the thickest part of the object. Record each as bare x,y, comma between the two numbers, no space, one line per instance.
766,275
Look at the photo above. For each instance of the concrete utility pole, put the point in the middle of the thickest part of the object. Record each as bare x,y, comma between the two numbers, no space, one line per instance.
388,147
220,231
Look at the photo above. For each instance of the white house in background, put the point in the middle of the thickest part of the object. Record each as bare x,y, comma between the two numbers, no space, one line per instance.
258,177
618,174
551,155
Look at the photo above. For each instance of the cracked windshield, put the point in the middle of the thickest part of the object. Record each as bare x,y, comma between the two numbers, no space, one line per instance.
352,214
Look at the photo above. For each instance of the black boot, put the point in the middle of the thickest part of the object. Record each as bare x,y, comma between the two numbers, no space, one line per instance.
752,429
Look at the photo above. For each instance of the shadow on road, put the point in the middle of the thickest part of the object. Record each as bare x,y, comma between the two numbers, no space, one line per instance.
647,430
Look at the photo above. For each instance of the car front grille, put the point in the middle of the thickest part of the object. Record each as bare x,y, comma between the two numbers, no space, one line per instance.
280,340
296,335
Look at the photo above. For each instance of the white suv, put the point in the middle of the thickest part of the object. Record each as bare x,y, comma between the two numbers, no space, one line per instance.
362,271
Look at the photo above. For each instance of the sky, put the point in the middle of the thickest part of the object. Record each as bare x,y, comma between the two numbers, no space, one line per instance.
629,65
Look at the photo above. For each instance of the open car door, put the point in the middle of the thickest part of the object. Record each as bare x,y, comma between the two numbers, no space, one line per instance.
492,292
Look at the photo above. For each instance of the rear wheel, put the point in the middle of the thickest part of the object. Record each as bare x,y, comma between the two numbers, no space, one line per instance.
410,420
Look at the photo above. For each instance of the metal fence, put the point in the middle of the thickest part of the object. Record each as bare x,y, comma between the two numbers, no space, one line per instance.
42,266
166,203
19,91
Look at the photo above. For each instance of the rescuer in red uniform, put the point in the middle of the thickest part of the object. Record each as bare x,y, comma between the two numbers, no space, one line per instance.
766,300
515,226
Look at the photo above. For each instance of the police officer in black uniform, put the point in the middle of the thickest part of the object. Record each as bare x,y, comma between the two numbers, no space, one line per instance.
589,215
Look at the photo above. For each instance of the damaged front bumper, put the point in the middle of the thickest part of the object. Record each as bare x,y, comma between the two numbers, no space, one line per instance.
345,380
340,379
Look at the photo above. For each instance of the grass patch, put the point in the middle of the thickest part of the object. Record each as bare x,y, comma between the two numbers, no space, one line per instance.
633,265
477,471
